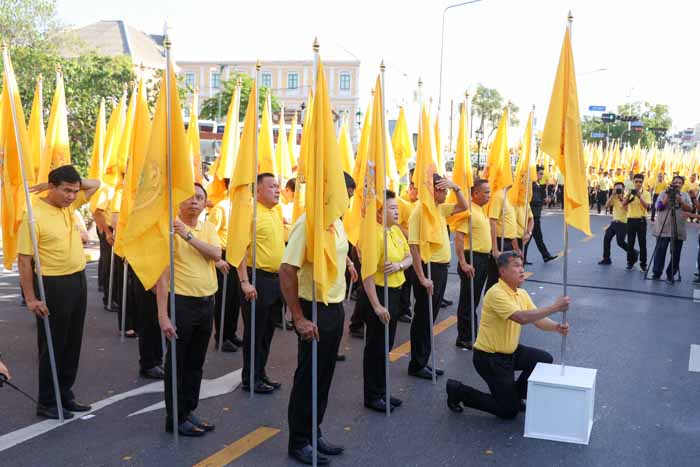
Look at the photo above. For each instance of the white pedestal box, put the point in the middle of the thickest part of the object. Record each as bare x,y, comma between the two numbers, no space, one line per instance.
560,407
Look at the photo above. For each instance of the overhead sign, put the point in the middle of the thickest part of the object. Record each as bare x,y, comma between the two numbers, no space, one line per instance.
596,108
597,135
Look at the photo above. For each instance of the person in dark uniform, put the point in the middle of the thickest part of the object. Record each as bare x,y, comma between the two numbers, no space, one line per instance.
539,198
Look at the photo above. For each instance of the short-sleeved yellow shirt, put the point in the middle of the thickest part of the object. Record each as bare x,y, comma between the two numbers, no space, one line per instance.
269,237
398,249
660,187
405,210
520,219
295,255
689,186
619,211
635,210
507,216
481,230
444,254
604,184
218,217
57,235
195,275
497,333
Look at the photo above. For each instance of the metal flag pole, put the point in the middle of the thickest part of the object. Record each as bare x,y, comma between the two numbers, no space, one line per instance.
387,394
254,245
472,311
123,316
169,157
570,19
32,236
224,289
314,319
527,180
111,272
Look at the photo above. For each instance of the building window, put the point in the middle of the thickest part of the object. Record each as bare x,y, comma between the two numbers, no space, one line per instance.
189,79
215,81
292,80
266,80
344,81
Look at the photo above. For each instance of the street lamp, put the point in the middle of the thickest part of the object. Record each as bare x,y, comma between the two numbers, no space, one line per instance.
479,138
358,120
218,112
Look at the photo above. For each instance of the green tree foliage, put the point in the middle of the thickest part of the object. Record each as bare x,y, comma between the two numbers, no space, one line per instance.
652,116
487,107
29,23
210,107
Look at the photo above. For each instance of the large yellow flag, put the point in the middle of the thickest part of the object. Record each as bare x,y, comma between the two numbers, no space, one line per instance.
561,139
351,220
498,165
284,163
346,154
462,172
115,129
57,146
193,142
373,184
140,135
240,192
266,146
223,165
300,187
522,182
146,236
123,155
15,143
326,196
430,236
37,138
402,144
98,149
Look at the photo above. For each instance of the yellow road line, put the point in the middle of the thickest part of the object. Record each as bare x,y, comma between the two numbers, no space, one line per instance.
588,238
238,448
405,348
528,274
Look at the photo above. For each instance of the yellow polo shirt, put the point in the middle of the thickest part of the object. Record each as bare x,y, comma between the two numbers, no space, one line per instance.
635,210
481,230
57,235
398,249
520,219
619,211
689,186
501,216
195,276
497,333
406,207
660,187
218,217
619,178
295,255
444,254
269,237
604,184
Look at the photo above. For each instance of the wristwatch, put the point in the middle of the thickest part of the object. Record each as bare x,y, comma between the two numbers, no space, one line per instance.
189,236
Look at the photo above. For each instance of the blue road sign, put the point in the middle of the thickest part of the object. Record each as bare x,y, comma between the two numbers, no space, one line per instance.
597,135
596,108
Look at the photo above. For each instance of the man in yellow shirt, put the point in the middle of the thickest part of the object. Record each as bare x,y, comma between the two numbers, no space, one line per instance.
62,261
660,185
481,251
269,238
430,289
637,203
197,248
498,353
503,231
618,226
603,193
296,283
407,204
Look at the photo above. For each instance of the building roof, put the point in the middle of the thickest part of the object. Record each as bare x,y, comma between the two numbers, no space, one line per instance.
115,37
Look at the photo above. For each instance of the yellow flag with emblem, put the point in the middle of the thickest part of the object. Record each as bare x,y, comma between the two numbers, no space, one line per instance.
402,144
300,187
57,146
282,159
37,138
430,234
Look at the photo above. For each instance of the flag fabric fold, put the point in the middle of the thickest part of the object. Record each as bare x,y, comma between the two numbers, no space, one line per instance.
430,235
57,146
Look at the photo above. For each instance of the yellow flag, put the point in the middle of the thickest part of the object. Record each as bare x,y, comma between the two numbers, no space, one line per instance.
498,165
326,196
146,237
373,184
193,142
462,172
15,142
223,165
57,146
522,182
98,149
346,154
37,138
140,135
240,192
402,144
351,220
266,147
124,154
115,129
438,146
283,161
300,187
430,236
562,140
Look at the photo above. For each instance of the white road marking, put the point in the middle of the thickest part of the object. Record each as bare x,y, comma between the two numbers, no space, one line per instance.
694,360
696,295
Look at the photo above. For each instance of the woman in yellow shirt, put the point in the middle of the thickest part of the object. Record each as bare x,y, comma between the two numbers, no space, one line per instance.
376,313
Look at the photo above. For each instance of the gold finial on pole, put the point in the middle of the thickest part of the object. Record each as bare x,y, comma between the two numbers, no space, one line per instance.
570,17
166,41
316,46
466,94
58,68
39,78
382,67
258,65
196,90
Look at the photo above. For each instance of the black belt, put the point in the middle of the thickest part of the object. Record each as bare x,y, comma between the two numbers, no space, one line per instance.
477,254
263,273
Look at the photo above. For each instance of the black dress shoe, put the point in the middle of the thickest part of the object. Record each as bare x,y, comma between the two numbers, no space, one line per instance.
464,344
186,428
269,382
236,341
453,402
438,371
260,388
605,262
395,402
405,318
423,373
52,412
445,303
523,405
196,421
527,263
329,449
359,333
229,347
550,258
305,456
378,405
153,373
340,358
656,277
75,406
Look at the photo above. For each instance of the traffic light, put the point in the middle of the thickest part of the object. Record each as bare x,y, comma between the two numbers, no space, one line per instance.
608,117
627,118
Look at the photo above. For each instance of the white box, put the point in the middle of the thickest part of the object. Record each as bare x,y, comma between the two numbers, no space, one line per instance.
560,407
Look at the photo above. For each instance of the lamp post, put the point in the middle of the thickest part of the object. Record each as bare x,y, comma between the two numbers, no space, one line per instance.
479,139
358,120
218,111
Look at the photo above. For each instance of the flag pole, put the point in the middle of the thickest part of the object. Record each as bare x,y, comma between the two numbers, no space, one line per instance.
254,245
123,316
387,392
169,157
32,236
314,319
111,272
472,311
527,179
570,20
505,192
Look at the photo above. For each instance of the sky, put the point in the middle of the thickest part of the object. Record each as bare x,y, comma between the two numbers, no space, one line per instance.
643,48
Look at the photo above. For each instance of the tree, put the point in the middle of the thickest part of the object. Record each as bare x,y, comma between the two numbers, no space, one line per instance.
654,117
29,23
487,104
210,107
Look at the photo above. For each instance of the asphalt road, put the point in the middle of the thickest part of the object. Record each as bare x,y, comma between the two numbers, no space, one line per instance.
636,333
